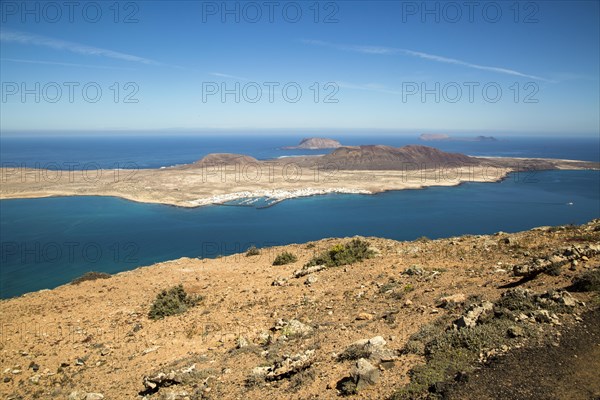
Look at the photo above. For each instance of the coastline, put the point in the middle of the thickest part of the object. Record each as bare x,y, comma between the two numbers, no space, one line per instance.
197,185
157,186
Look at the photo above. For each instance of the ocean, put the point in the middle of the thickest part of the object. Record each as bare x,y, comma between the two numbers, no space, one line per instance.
48,242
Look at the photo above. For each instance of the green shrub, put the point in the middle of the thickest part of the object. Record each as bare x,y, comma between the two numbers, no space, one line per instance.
285,258
172,302
252,251
90,276
349,253
354,352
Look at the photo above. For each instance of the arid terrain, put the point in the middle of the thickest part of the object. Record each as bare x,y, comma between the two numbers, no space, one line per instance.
438,318
219,178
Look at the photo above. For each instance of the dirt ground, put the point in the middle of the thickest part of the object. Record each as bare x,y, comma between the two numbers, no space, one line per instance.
95,339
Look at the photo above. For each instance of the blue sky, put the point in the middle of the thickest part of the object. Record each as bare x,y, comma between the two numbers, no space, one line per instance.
389,65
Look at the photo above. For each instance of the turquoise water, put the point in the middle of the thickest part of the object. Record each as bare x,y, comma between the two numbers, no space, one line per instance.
48,242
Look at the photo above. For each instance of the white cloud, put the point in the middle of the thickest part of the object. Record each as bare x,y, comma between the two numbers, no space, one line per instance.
63,64
222,75
432,57
58,44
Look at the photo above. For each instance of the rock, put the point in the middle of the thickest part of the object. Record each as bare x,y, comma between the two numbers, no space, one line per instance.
150,349
287,366
241,342
446,301
293,328
363,316
515,331
35,379
414,270
308,270
279,282
364,374
373,349
163,379
510,241
181,395
545,317
377,341
264,338
94,396
260,372
34,367
75,395
310,280
470,319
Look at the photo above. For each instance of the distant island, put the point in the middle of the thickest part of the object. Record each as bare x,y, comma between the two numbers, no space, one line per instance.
431,137
222,178
315,144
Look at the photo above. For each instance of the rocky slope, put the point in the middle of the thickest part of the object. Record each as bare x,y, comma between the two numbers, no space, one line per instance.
378,157
308,330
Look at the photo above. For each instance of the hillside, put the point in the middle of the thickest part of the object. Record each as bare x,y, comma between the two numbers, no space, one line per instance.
307,331
377,157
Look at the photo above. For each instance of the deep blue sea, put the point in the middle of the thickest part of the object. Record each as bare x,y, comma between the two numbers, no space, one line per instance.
48,242
133,151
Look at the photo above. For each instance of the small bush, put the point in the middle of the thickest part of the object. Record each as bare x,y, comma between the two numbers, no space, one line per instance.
285,258
587,282
172,302
354,352
252,251
346,386
408,288
388,287
354,251
90,276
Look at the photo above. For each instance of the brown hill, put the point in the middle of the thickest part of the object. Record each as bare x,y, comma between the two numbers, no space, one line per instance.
225,158
377,157
315,144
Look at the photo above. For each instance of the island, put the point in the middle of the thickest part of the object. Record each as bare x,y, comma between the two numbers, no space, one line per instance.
315,144
432,137
223,178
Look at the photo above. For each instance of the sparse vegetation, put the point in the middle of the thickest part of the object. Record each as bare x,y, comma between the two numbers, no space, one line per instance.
355,251
354,352
252,251
455,352
90,276
587,282
172,302
388,287
285,258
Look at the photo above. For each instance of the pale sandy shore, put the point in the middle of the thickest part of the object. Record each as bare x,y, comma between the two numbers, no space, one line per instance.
197,185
